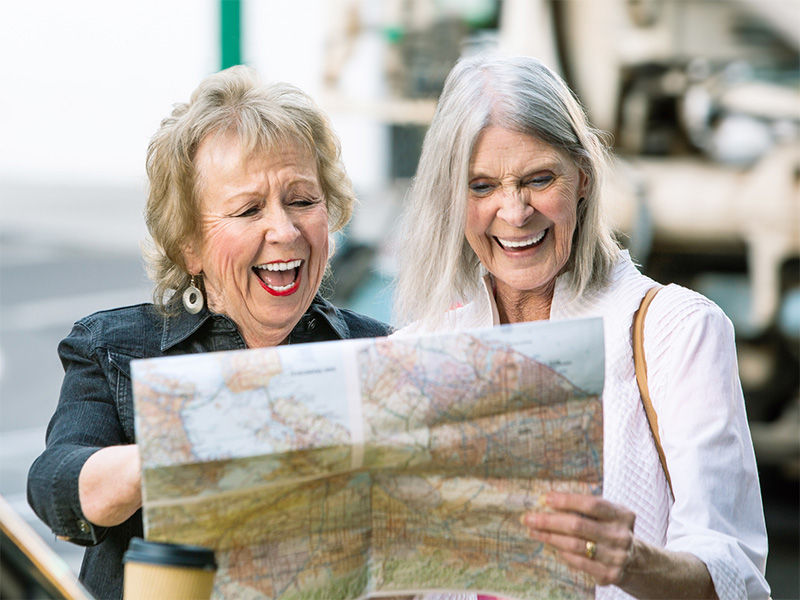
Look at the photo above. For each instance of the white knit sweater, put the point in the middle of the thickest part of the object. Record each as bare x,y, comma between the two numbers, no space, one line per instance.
693,381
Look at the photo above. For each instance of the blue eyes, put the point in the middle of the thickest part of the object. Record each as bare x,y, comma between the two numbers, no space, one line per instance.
485,187
480,188
540,181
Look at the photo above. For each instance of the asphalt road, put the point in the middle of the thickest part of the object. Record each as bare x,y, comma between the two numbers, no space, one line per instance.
66,252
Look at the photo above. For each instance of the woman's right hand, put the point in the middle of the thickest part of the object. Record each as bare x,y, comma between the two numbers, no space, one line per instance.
110,485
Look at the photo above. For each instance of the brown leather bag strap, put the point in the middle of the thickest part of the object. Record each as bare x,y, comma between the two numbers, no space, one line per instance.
640,365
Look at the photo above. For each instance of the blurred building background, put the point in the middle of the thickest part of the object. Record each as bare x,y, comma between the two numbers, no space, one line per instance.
702,98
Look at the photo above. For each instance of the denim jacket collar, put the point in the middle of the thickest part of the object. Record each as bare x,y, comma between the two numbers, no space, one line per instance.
182,325
323,309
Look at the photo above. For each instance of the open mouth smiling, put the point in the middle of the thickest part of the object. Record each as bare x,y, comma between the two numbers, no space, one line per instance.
279,277
523,244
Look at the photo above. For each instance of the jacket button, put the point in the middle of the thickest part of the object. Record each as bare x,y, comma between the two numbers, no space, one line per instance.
84,526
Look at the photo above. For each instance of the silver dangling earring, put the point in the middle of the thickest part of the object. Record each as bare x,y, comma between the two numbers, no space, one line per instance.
193,298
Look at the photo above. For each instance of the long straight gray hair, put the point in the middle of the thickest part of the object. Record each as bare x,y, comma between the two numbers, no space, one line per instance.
437,267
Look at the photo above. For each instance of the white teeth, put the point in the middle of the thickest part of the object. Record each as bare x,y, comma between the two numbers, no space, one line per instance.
523,243
281,266
280,288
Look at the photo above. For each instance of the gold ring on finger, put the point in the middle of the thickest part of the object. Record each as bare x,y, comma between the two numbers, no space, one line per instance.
591,549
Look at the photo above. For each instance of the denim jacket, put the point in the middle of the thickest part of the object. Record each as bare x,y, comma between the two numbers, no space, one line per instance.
95,409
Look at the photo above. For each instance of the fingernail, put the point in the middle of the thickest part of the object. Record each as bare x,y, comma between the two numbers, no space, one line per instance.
531,520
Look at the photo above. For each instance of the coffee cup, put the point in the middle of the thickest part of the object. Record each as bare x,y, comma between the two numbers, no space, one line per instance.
163,570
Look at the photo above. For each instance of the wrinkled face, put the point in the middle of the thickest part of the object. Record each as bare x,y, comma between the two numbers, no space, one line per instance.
522,208
264,240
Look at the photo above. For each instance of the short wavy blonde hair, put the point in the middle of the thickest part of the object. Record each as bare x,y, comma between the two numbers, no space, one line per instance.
437,266
265,117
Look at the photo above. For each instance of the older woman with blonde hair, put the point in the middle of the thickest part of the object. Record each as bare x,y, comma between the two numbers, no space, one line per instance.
246,185
506,223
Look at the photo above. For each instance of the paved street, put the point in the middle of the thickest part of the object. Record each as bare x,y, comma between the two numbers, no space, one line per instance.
63,254
66,252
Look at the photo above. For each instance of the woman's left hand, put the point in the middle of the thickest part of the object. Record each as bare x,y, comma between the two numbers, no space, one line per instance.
591,534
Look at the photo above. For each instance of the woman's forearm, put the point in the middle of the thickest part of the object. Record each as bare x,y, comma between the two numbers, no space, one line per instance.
654,572
109,485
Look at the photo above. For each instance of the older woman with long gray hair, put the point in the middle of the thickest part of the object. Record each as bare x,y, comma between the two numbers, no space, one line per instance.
246,184
506,223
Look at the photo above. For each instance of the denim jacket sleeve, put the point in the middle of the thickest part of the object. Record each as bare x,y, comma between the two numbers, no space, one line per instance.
95,408
86,419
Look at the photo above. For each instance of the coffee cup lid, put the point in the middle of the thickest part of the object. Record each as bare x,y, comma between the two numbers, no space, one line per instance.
176,555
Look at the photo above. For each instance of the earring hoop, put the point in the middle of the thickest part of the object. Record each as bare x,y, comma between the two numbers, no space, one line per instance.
193,300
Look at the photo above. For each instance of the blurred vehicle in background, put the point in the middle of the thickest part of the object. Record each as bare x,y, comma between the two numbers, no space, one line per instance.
706,126
702,98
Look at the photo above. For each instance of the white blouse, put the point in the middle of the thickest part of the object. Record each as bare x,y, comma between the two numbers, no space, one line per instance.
694,385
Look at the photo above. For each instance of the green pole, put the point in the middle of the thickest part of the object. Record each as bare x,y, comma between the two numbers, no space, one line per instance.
230,33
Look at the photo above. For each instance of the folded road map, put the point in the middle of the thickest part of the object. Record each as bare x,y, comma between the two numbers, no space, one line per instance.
372,468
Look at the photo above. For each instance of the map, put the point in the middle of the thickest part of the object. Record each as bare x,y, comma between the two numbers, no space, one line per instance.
372,468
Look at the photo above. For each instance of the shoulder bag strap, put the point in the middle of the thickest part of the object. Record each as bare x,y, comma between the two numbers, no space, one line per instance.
640,365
